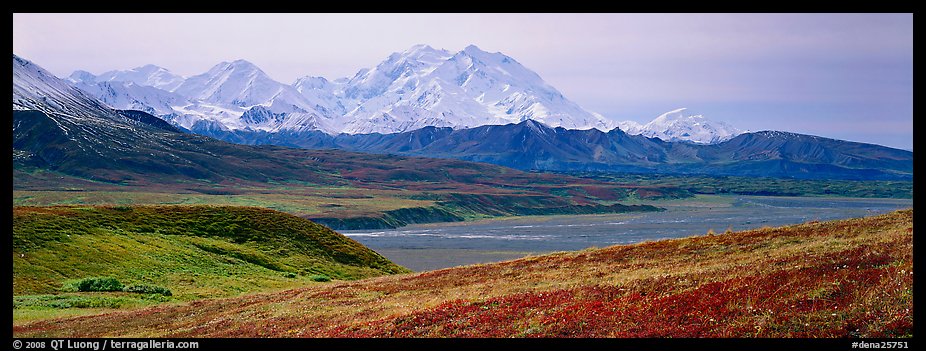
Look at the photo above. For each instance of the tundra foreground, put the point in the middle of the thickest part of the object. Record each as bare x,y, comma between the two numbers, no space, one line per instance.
847,278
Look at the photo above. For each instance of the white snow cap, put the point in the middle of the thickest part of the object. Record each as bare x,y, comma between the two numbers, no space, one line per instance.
683,125
419,87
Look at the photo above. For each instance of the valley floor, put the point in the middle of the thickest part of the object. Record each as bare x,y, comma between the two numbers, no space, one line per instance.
846,278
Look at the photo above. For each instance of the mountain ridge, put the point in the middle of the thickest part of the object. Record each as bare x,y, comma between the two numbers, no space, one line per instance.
415,88
531,145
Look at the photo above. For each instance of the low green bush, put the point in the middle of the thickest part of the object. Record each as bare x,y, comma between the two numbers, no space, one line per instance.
320,278
99,284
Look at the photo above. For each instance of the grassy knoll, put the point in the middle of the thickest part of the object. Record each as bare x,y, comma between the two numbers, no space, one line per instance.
193,251
847,278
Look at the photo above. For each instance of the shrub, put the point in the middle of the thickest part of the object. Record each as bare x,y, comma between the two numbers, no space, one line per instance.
122,208
99,284
148,289
320,278
289,275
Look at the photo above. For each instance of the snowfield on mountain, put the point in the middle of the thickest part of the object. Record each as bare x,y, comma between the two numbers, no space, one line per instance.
420,87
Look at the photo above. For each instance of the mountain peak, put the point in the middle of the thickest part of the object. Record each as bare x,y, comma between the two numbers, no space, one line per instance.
310,82
675,114
421,53
680,115
149,68
148,75
682,125
481,55
238,69
421,48
240,64
81,76
493,58
473,49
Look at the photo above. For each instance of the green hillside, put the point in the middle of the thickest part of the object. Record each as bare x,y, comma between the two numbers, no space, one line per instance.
194,251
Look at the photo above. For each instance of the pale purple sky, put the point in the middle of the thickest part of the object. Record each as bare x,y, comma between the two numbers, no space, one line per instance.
846,76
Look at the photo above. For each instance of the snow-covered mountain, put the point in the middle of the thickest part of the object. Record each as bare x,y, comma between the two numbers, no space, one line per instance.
419,87
424,86
229,89
240,84
682,125
630,127
147,75
131,96
34,88
325,96
217,99
416,88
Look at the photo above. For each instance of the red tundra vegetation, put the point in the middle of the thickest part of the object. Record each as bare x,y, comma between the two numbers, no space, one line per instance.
848,278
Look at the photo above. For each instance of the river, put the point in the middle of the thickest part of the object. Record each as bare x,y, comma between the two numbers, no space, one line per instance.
424,247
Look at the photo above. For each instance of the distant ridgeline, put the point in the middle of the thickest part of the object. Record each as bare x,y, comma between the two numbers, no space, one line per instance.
530,145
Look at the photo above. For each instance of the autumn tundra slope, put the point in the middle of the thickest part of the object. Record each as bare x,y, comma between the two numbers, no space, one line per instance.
847,278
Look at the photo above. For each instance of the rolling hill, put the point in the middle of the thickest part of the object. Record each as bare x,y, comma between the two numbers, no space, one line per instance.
196,251
846,278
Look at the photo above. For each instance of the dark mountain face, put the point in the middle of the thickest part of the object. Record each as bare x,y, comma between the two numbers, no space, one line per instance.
148,119
395,143
533,146
120,151
808,149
